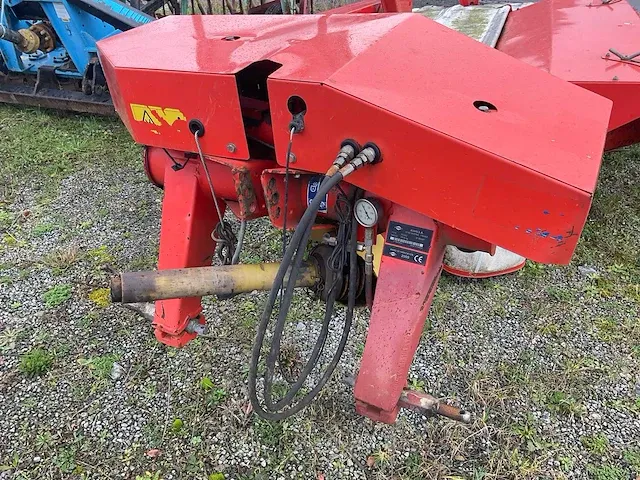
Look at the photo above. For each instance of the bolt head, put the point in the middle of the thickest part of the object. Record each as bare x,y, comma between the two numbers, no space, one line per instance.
231,147
292,158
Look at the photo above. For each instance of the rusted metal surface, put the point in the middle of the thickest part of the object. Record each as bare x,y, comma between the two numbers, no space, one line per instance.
430,405
147,286
247,199
56,99
300,185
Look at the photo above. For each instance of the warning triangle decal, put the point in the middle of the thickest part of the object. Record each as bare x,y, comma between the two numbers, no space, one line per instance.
147,118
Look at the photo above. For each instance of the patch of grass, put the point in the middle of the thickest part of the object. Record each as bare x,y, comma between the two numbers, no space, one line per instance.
609,236
607,472
596,444
528,434
248,314
6,219
36,362
59,261
606,328
600,286
100,256
566,463
77,141
632,457
65,460
522,465
8,339
42,229
415,384
563,403
275,435
101,297
214,395
149,476
560,294
533,269
44,440
144,262
100,367
57,295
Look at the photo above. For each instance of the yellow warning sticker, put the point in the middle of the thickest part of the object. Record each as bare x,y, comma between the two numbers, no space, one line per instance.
156,115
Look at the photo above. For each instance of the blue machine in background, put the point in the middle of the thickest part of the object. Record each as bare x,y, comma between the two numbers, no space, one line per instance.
48,51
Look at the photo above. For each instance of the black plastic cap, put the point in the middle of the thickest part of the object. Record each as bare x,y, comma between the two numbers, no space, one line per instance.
196,125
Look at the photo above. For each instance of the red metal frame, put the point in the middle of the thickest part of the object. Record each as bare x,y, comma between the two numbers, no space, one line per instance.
403,296
475,164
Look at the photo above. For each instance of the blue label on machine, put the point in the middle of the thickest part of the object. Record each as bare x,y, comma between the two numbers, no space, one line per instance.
312,190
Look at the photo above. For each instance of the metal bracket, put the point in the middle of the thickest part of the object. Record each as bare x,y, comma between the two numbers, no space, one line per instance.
631,59
46,78
627,58
604,3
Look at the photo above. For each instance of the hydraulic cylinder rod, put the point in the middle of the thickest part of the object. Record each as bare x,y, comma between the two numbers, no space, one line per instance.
148,286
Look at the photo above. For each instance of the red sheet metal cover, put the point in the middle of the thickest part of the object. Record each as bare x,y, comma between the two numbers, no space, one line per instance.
571,40
520,174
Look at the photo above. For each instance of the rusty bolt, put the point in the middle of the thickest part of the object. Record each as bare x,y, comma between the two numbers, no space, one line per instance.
615,79
292,158
231,147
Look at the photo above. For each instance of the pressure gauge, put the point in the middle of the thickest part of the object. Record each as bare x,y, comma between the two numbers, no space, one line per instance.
367,212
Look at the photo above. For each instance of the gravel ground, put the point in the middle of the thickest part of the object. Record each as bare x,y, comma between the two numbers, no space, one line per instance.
547,359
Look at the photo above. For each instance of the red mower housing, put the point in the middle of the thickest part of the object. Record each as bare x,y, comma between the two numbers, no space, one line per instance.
478,149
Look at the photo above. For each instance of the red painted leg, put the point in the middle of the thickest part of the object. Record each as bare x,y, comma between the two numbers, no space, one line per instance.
188,218
406,284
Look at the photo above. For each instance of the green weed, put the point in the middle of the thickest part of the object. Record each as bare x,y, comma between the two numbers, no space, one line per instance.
632,457
563,403
596,444
607,472
36,362
100,367
57,295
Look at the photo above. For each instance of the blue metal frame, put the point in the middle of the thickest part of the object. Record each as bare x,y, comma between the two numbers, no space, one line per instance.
77,31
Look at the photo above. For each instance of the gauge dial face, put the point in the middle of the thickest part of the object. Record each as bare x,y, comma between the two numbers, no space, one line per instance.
366,213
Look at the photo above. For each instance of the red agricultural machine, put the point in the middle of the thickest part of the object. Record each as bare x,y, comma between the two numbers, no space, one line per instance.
378,138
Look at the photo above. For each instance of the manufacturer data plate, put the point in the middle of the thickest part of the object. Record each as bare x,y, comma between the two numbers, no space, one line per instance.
409,236
404,254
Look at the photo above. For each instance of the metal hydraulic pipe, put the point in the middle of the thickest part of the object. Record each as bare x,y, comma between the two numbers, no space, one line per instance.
148,286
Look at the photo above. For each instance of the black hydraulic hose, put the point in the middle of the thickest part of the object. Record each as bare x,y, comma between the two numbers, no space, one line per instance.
291,263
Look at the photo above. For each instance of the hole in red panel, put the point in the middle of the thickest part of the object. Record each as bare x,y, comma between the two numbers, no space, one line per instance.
296,105
485,107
